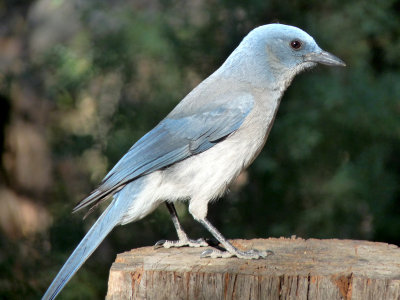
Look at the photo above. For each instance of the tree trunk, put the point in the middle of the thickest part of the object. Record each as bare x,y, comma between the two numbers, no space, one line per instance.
298,269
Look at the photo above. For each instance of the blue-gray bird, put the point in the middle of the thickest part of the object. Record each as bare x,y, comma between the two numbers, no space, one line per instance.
212,135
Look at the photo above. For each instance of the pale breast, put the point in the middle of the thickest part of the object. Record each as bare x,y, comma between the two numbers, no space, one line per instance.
208,174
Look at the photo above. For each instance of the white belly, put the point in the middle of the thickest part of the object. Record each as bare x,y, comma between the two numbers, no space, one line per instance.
205,176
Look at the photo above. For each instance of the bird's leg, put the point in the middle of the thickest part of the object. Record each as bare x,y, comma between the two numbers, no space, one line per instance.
230,249
183,238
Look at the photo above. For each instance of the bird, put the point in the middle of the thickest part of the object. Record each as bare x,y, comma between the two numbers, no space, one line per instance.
202,145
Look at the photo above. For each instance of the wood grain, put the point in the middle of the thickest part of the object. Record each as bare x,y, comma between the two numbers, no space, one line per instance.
298,269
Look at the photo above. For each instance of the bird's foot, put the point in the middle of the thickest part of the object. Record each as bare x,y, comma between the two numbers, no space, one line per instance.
251,254
181,243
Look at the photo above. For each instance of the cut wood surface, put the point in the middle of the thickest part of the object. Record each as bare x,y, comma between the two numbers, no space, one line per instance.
298,269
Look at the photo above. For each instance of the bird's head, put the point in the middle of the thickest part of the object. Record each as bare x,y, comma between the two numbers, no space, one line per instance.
291,47
278,52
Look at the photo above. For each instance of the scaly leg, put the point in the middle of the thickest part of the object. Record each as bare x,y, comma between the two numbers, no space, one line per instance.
183,238
230,249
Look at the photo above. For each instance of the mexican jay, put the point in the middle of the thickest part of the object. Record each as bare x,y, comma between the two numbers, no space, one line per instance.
203,144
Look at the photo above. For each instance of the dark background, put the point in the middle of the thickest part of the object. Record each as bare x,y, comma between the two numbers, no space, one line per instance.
80,81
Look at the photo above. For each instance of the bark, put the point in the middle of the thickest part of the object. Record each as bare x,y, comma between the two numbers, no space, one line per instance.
298,269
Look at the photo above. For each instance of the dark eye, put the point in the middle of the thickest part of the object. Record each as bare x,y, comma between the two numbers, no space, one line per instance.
295,44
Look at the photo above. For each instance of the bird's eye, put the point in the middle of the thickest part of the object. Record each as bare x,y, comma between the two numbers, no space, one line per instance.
296,44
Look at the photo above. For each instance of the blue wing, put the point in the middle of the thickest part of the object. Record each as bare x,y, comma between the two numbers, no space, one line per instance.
171,141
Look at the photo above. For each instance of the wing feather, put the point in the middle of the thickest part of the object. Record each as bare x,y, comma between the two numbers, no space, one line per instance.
171,141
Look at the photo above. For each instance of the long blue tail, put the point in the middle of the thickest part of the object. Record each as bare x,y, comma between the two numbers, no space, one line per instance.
110,218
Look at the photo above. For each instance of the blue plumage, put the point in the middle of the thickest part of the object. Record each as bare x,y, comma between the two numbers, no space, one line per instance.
171,141
107,221
214,133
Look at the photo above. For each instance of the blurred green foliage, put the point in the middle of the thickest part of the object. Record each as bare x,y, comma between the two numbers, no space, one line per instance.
108,71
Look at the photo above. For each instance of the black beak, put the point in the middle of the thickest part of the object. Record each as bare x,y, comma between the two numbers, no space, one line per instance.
324,58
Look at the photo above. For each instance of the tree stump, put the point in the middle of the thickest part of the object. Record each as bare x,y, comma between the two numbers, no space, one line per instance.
298,269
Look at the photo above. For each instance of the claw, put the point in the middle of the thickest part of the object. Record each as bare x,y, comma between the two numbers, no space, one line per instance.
198,243
181,243
251,254
206,253
159,244
215,253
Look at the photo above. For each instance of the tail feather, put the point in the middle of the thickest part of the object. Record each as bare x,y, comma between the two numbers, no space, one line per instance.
110,218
